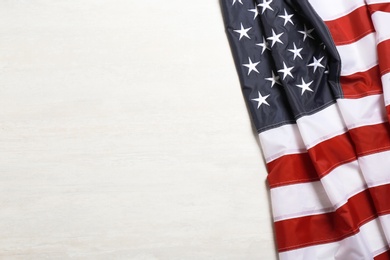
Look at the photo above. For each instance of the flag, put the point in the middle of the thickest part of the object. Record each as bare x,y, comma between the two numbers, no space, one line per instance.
316,77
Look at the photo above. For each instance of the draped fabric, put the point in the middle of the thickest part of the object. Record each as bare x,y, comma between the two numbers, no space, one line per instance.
316,77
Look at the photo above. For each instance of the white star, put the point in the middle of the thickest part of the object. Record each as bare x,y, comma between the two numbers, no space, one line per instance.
264,45
316,63
251,66
266,5
234,1
255,11
306,33
286,17
297,52
305,86
261,100
286,71
274,79
243,32
275,38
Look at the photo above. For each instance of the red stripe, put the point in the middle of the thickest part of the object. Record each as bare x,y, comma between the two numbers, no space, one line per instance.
371,139
362,83
379,7
332,153
380,195
384,256
329,154
388,112
333,226
291,169
351,27
300,168
383,56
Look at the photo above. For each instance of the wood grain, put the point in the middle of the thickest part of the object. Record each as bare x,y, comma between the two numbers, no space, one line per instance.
124,135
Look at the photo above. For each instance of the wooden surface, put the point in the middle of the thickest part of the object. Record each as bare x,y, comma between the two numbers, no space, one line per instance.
124,135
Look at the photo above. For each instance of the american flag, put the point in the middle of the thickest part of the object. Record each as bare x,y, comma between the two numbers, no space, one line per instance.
316,77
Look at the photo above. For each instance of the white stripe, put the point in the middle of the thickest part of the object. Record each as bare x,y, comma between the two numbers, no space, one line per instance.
288,200
333,9
385,221
333,190
370,2
323,196
358,56
375,239
386,88
368,110
381,22
281,141
375,168
364,245
343,183
321,126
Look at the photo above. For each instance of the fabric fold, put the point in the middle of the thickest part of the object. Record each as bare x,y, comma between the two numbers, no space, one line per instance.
322,122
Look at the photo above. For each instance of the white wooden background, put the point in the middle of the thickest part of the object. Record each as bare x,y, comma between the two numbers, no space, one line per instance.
124,135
